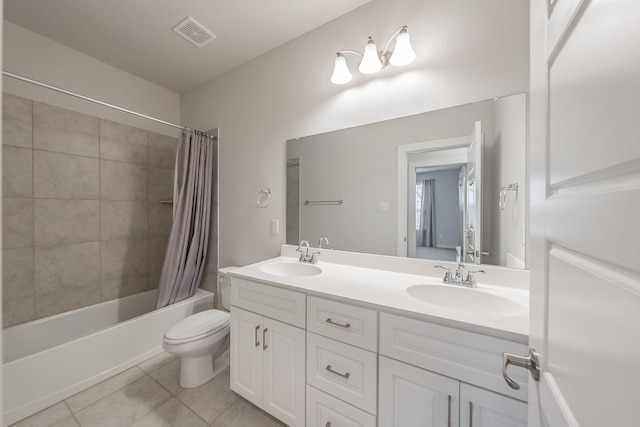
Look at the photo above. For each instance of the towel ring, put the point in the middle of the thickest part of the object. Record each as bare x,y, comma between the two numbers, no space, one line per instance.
264,198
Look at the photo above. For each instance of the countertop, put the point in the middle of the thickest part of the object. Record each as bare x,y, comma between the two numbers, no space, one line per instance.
386,290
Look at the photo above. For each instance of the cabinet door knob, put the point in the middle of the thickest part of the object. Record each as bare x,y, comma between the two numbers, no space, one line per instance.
342,325
346,375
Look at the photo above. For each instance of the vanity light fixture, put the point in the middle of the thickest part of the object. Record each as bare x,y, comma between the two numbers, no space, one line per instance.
374,61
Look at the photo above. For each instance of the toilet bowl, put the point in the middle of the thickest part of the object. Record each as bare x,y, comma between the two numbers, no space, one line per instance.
201,341
197,340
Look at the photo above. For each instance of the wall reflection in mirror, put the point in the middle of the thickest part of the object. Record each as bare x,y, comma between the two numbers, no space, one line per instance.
417,186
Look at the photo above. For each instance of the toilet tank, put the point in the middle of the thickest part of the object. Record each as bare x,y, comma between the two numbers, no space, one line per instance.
224,287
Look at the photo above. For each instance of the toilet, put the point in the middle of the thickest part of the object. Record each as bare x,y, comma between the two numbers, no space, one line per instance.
201,341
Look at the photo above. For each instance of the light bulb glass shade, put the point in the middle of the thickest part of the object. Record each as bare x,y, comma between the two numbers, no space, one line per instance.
370,61
341,74
403,53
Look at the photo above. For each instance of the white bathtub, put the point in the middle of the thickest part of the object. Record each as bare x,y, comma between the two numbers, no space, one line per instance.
50,359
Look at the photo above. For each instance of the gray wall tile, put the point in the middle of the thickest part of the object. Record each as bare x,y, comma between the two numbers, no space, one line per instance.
63,176
70,298
17,114
65,131
160,184
17,223
160,219
122,181
66,221
122,219
17,273
17,171
157,249
162,151
122,258
17,311
122,143
123,286
64,267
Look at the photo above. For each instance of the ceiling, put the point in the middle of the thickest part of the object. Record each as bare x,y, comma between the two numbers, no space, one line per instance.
136,35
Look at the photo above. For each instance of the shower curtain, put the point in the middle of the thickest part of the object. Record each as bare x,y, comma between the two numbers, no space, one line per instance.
186,253
427,214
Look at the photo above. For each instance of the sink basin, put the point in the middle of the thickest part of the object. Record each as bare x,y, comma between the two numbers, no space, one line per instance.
291,269
469,300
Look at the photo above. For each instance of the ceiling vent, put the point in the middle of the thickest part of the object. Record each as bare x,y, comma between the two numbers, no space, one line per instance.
195,33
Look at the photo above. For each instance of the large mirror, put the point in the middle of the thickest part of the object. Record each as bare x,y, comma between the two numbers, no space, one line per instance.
417,186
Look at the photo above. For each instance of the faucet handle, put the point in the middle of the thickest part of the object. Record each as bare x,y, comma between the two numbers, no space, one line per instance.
448,278
470,281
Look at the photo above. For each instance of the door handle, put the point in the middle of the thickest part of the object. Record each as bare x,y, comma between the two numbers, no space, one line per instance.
264,339
530,362
256,335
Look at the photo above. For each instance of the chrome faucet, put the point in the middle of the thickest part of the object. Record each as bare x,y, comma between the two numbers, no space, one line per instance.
323,240
305,256
458,277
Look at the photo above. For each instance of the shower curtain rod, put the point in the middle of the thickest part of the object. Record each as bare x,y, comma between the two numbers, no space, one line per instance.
105,104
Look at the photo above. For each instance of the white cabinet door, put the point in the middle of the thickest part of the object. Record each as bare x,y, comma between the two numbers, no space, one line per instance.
247,355
284,371
412,397
484,408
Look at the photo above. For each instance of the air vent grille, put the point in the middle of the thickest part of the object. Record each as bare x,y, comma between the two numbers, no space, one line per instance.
195,33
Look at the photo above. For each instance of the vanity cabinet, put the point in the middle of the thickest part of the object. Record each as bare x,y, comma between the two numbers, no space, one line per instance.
267,351
468,388
342,364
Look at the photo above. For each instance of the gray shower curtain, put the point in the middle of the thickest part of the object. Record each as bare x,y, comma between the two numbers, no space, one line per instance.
427,214
187,248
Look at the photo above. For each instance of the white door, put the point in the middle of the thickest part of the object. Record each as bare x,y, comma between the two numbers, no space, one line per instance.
473,226
484,408
246,355
413,397
585,209
284,372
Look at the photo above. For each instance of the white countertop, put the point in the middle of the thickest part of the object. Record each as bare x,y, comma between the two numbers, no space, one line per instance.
386,291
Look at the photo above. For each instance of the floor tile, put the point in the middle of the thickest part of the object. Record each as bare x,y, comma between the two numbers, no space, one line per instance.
103,389
172,413
47,417
125,406
244,414
156,361
168,376
67,422
211,399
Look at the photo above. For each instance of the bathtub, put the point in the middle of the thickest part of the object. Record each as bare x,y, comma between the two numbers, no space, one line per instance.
50,359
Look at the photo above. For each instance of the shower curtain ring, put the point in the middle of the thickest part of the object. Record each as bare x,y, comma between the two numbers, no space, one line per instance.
264,198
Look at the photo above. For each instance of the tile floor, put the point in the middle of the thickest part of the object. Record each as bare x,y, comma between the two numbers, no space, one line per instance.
148,395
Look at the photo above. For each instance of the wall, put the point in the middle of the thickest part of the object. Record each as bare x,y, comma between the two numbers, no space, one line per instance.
82,222
509,146
448,233
467,51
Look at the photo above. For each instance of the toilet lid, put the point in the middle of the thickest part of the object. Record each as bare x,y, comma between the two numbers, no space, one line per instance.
199,325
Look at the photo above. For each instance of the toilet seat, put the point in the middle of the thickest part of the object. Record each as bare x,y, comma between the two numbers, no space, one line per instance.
197,326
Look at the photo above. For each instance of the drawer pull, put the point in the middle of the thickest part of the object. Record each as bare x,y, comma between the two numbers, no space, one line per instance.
264,339
331,322
257,342
346,375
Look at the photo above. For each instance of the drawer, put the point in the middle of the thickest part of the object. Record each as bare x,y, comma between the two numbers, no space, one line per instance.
324,410
343,322
470,357
344,371
276,303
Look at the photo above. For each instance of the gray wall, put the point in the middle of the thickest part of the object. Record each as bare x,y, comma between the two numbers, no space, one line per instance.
81,218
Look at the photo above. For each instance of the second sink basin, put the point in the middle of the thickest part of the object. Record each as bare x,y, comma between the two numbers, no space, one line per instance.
291,269
470,300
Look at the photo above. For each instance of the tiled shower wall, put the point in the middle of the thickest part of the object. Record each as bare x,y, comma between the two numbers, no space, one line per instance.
82,218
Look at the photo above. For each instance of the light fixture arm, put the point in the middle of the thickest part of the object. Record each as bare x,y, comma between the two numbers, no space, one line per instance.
384,56
355,52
